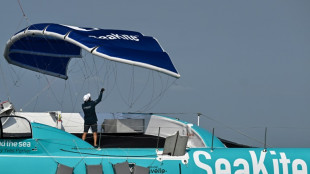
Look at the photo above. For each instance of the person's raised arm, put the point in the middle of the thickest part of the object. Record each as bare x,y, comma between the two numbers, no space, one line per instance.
99,97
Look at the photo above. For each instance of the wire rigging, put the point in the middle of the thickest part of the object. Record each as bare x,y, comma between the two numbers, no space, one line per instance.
92,78
39,93
144,88
21,8
109,70
131,87
23,12
4,82
233,129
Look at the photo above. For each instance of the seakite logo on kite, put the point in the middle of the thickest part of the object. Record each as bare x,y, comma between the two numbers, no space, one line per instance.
113,36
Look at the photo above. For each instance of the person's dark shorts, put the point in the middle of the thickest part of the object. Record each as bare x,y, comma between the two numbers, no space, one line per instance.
93,127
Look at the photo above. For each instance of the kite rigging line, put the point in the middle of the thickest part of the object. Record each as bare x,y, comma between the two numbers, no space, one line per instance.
21,8
91,71
24,14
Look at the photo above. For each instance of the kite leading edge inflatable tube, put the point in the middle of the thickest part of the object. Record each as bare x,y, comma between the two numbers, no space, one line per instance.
48,48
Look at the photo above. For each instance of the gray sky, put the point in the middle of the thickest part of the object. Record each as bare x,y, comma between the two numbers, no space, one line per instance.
242,63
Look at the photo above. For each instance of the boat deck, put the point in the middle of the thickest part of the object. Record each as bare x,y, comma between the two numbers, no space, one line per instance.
125,140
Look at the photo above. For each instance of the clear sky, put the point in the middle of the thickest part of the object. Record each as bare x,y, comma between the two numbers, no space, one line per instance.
243,63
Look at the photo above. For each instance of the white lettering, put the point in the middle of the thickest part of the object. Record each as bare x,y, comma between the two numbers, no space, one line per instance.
258,165
201,165
302,164
117,36
241,166
2,143
245,164
9,143
275,163
284,161
24,144
226,166
100,37
275,166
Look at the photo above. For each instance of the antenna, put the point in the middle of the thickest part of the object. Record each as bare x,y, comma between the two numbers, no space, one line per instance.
265,141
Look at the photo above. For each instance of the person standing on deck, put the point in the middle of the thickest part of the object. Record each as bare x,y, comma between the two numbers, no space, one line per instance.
90,117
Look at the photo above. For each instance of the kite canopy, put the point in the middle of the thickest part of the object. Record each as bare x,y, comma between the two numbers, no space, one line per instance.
48,48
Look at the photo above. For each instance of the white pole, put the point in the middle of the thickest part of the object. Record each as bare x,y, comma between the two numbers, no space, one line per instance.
198,119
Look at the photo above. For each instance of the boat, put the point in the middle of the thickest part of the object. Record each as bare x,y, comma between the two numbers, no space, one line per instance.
137,143
49,142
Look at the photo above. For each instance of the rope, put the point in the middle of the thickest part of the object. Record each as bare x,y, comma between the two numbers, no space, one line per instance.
144,88
52,91
131,87
21,8
236,130
17,77
70,93
159,97
96,154
38,94
83,158
35,105
47,151
155,99
96,72
89,72
119,91
4,82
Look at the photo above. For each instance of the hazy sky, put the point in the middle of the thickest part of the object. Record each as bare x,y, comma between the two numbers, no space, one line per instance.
242,63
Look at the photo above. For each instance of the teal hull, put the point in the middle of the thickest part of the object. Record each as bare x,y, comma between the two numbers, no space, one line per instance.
50,147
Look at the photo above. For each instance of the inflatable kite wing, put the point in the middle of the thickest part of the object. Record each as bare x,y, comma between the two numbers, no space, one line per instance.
48,48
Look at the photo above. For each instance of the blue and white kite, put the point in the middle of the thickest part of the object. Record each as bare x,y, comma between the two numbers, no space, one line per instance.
48,48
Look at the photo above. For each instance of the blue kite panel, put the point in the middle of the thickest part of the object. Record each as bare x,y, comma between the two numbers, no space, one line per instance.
45,45
158,59
60,29
99,37
37,26
44,64
40,50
